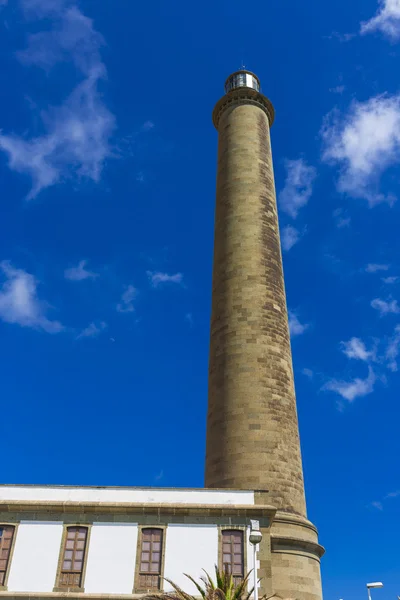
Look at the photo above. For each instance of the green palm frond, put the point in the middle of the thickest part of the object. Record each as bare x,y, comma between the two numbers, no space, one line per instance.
179,592
198,586
223,588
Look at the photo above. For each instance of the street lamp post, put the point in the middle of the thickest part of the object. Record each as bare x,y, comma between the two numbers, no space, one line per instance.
255,539
376,584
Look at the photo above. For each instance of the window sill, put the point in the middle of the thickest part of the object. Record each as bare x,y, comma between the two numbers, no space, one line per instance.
79,590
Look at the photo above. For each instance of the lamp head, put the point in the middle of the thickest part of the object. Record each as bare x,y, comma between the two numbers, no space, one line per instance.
376,584
255,533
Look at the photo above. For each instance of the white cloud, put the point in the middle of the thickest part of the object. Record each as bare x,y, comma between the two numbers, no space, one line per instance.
92,330
341,219
157,278
19,302
126,304
295,327
308,373
339,89
392,350
385,307
355,348
38,9
387,20
298,186
389,280
76,143
77,133
148,126
289,237
79,273
159,476
377,505
374,268
72,38
350,390
343,222
364,143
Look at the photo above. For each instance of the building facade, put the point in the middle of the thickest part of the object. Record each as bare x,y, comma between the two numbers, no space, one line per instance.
121,542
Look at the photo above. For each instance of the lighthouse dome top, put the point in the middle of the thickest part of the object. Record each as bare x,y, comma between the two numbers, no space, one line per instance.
242,79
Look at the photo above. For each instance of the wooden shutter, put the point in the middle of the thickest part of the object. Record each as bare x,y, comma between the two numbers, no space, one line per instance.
6,538
150,559
73,557
232,554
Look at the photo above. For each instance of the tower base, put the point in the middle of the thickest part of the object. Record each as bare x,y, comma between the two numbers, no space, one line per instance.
295,558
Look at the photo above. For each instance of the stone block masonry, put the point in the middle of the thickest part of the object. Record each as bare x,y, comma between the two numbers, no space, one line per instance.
252,427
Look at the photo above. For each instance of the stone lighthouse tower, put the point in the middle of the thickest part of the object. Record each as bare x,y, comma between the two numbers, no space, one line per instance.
252,428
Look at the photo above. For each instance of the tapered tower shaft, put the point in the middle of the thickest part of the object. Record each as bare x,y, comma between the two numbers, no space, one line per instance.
252,428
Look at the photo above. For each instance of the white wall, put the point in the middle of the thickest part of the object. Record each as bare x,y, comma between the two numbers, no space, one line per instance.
75,494
189,549
111,558
250,561
36,552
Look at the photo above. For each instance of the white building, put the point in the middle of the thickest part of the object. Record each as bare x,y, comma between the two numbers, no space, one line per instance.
85,541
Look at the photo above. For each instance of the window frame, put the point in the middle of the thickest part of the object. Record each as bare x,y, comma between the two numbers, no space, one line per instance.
233,529
63,588
137,589
3,586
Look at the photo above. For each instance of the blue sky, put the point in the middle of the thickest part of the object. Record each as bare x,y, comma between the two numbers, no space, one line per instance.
107,166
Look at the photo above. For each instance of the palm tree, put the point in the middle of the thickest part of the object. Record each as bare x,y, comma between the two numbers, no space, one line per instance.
224,588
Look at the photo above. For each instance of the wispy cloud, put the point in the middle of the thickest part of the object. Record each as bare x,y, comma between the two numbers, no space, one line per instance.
339,89
298,186
19,301
295,327
374,268
390,280
79,273
126,303
341,37
355,348
392,350
387,20
159,476
364,143
157,278
289,237
386,307
395,494
350,390
379,504
72,38
341,219
76,142
92,330
148,126
308,373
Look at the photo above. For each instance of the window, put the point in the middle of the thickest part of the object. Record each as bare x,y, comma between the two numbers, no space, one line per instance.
150,559
232,554
6,538
73,557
